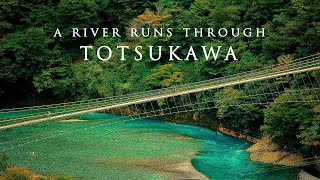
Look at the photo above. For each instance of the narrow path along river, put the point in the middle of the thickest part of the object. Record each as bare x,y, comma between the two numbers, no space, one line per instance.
105,146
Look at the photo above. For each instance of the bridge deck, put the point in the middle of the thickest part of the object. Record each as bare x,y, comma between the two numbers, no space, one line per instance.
45,113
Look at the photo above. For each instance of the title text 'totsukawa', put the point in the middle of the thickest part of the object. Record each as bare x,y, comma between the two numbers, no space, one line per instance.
172,53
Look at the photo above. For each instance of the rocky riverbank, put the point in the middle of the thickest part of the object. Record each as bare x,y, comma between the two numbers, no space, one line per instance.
263,150
267,152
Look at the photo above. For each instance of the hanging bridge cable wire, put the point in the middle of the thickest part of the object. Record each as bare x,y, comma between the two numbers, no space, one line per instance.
77,130
189,104
102,124
47,105
132,119
312,86
103,133
108,124
205,108
303,82
295,85
189,97
38,134
317,80
35,126
72,131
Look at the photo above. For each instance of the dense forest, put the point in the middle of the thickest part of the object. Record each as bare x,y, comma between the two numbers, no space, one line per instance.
37,68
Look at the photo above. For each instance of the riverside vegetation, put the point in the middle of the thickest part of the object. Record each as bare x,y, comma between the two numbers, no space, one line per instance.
9,172
37,68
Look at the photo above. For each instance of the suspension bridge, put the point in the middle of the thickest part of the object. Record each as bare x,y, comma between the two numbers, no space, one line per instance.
299,75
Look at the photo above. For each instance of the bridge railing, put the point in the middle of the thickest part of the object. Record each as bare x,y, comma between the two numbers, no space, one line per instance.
8,116
209,82
301,60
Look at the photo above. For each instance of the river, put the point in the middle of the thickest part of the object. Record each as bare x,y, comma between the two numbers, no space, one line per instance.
106,146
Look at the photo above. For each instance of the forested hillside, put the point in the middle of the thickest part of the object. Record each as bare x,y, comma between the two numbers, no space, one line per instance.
36,68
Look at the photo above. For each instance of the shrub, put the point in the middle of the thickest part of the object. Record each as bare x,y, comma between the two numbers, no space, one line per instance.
5,161
18,173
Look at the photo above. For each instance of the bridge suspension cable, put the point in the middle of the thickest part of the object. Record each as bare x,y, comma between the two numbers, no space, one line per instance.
22,116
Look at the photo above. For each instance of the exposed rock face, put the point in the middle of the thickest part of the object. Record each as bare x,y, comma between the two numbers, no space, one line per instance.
267,152
306,176
237,135
317,159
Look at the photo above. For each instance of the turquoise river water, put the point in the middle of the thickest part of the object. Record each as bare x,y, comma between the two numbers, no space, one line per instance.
106,146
